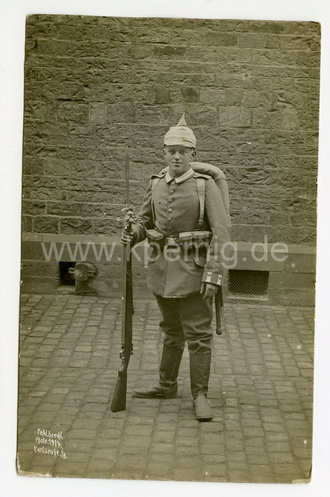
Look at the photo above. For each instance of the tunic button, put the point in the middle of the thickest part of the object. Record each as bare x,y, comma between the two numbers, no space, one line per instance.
170,209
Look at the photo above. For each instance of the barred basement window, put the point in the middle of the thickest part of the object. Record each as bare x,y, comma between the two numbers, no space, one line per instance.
65,277
248,284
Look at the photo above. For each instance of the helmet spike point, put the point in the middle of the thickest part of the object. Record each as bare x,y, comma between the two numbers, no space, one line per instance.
182,121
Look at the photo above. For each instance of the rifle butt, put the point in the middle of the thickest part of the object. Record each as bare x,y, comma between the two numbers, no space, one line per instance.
118,402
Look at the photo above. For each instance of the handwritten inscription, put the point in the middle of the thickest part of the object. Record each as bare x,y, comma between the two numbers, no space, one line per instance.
49,443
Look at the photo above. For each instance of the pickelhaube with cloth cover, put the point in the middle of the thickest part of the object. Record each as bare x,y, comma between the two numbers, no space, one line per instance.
180,135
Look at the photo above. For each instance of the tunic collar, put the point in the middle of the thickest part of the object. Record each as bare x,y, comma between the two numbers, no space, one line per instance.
179,179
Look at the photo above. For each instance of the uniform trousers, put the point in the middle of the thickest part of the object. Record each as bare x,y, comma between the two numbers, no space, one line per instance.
187,319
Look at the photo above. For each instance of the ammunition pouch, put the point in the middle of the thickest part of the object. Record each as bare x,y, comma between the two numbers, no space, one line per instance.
155,237
195,242
195,237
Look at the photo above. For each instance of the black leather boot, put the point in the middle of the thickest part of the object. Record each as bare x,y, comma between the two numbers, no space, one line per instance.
200,364
168,373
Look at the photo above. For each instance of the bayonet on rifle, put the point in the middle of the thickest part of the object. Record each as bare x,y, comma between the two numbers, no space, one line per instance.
127,178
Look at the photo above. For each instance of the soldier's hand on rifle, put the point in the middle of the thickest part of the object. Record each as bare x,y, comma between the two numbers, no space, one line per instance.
208,290
127,237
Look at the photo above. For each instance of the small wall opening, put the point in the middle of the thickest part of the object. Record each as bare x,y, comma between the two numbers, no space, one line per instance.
65,277
248,284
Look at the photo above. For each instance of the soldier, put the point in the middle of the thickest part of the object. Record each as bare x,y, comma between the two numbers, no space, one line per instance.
183,216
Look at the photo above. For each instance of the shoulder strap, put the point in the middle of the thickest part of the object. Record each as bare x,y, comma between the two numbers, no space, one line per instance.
201,197
154,183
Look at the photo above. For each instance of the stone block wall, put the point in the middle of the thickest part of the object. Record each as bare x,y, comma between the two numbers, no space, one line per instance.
95,85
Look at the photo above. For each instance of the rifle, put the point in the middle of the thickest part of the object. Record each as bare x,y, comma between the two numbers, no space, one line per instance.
219,313
118,402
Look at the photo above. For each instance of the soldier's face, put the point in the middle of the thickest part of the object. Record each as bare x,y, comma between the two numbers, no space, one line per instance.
178,158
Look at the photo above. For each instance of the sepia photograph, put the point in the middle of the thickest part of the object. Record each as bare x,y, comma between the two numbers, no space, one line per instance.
168,249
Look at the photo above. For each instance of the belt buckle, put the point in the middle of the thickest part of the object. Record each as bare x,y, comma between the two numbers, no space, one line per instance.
171,242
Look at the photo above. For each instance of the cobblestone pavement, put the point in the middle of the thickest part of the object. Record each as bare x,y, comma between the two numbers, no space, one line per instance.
260,387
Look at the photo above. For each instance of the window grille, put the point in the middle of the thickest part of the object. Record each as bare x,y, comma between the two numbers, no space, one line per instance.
248,284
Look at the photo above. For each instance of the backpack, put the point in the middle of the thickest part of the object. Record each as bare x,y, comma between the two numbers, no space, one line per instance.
218,177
